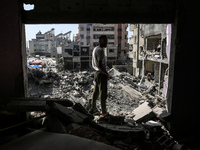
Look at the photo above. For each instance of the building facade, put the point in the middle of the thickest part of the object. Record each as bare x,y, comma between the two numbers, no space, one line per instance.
44,44
117,38
154,52
149,51
137,44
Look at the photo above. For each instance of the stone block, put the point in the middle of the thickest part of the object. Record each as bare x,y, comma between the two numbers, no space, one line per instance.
143,113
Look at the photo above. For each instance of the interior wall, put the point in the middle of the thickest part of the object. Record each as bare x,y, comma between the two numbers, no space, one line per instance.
11,76
184,96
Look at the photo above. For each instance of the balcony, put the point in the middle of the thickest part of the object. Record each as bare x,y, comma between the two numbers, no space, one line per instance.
104,32
153,56
109,40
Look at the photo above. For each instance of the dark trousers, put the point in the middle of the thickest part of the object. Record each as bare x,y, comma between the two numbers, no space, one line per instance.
100,90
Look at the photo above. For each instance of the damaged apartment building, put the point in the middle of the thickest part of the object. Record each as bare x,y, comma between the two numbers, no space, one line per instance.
117,40
182,99
148,51
46,44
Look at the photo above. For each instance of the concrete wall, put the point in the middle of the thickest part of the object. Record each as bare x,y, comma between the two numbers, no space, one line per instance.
184,75
154,29
11,76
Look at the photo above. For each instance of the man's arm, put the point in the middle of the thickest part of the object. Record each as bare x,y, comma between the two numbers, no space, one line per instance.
100,66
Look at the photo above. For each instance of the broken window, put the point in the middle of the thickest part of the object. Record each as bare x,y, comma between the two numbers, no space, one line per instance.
127,93
111,50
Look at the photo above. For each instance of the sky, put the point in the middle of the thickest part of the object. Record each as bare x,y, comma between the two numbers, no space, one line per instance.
33,29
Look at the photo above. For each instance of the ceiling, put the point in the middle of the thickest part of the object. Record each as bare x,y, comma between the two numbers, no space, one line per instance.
99,11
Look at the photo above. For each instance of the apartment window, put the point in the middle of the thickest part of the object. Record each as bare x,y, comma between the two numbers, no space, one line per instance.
81,28
111,50
69,51
82,36
95,44
88,29
85,51
110,36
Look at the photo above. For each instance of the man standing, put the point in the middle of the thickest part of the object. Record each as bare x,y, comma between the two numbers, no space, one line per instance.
101,76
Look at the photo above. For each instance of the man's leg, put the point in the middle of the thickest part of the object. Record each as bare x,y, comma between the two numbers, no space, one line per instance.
103,91
95,93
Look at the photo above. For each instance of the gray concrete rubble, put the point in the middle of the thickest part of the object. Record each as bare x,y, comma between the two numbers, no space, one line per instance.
137,117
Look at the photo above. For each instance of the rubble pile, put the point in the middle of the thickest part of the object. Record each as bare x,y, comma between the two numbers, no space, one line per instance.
124,94
137,114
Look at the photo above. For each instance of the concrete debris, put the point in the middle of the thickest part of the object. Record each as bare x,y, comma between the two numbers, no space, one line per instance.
136,110
69,114
143,113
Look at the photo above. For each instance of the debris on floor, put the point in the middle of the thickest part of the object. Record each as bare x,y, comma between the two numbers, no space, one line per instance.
137,112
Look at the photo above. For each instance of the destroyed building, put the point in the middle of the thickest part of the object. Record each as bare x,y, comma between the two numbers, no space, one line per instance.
47,44
182,96
149,51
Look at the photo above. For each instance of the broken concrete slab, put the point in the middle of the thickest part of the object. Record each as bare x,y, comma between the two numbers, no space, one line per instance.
143,113
69,114
133,93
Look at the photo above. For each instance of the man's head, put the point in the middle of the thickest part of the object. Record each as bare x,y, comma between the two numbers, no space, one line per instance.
103,41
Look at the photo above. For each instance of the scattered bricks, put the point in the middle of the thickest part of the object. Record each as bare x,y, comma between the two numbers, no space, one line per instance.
143,113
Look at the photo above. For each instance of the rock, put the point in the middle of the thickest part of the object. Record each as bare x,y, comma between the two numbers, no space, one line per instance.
66,90
47,96
161,113
55,82
143,113
76,93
